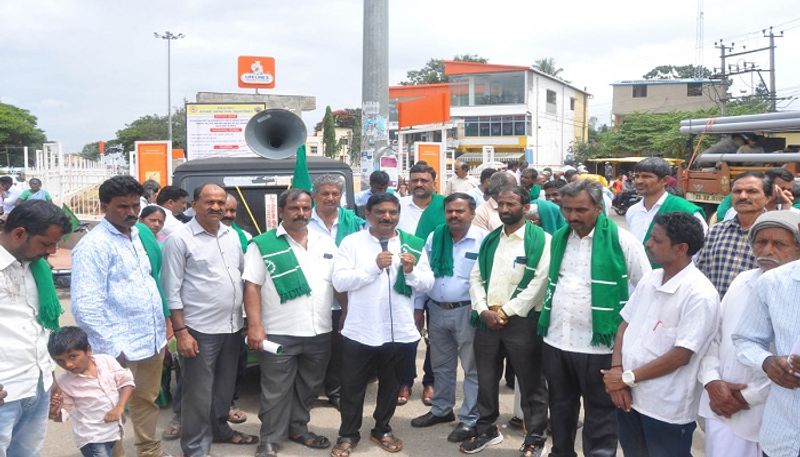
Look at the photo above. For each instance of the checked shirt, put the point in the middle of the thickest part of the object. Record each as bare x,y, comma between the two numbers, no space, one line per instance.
726,253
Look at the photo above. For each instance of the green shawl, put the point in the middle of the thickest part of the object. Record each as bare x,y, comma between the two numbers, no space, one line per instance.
609,280
536,192
414,245
672,204
550,215
153,251
349,223
534,246
49,306
442,252
432,217
724,206
242,236
289,280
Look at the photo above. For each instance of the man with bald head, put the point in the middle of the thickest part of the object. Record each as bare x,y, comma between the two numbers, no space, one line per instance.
735,394
461,182
201,275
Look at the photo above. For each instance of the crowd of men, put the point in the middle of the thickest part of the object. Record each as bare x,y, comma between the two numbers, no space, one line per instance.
643,329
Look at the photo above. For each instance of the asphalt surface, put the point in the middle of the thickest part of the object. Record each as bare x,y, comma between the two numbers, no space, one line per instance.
325,421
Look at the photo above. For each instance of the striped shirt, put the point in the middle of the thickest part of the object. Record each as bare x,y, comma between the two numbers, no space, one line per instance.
725,254
774,318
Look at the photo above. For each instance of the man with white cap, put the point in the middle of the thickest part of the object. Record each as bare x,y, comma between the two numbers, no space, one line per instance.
734,395
766,340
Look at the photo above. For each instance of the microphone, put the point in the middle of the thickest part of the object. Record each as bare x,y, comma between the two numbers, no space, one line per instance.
384,247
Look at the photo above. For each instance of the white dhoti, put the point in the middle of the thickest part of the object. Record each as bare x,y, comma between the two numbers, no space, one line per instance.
720,441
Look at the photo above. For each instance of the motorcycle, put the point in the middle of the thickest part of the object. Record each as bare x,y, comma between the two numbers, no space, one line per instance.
625,200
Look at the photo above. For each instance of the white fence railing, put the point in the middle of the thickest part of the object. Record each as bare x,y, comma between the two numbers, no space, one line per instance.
70,179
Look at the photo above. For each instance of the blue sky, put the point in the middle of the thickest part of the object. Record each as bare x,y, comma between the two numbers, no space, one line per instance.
85,68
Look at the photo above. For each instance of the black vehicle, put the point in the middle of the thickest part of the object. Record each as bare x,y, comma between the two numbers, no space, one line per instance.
625,200
257,178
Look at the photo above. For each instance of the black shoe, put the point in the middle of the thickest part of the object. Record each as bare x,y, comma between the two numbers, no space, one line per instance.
336,402
428,419
462,432
515,423
478,443
533,446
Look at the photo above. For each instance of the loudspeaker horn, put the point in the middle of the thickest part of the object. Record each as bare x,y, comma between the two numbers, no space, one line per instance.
275,133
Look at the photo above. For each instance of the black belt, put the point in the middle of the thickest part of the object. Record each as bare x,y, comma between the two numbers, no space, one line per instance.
451,305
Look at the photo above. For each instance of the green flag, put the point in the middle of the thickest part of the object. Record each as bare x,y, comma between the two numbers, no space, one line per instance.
301,178
73,219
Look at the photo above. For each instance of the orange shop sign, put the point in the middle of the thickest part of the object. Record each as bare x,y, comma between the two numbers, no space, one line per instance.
256,72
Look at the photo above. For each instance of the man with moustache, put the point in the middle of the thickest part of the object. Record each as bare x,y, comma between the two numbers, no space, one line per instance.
29,308
593,265
507,287
381,269
734,396
727,251
420,213
116,301
452,249
329,219
288,296
202,280
668,324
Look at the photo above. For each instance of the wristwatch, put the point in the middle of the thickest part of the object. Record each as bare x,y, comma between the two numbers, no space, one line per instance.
628,378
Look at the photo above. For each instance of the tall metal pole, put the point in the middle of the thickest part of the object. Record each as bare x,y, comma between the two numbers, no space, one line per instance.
773,93
169,36
375,79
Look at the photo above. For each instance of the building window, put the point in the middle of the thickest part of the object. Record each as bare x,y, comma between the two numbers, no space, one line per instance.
694,89
640,91
313,150
519,125
551,96
507,88
572,103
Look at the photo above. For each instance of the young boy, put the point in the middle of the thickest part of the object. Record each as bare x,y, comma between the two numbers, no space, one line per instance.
94,390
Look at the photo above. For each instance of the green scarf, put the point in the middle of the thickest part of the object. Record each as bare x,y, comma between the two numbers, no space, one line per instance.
609,280
49,306
432,217
534,246
242,236
349,223
153,251
289,280
724,206
550,215
536,191
672,204
442,252
414,245
796,204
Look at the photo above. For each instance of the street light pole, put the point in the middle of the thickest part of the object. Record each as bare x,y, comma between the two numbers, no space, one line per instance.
169,36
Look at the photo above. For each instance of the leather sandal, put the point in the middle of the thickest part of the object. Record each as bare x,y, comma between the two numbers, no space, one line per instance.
387,442
343,448
312,440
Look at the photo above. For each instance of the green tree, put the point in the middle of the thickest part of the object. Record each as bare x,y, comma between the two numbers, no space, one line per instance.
91,150
329,134
678,72
433,71
154,128
17,130
548,66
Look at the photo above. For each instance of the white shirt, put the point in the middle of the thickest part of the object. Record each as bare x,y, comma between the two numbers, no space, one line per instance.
23,341
477,194
720,361
571,315
376,313
457,184
455,288
409,215
317,225
171,224
639,218
201,275
505,277
683,313
10,199
308,315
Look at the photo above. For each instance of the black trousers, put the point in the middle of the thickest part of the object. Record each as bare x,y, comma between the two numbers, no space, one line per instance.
523,347
359,363
570,377
333,379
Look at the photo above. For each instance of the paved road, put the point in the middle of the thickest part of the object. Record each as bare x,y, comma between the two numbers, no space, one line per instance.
325,420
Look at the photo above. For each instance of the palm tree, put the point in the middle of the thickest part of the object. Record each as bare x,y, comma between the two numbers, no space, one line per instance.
548,66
